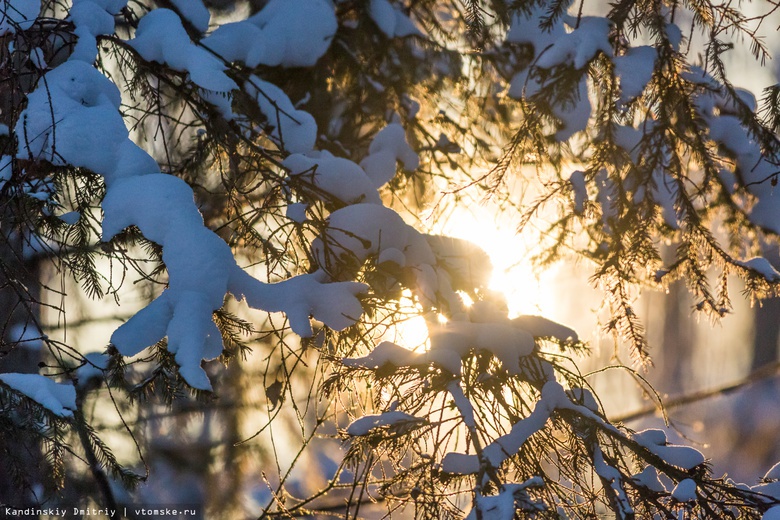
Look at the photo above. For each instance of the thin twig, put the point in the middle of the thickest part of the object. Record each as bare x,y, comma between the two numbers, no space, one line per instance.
766,372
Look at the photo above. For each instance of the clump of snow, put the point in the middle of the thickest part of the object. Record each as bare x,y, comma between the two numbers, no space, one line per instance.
685,491
509,499
91,18
555,47
553,398
467,264
360,230
494,507
585,397
41,191
390,20
162,206
18,15
133,160
462,404
525,28
160,37
287,33
451,342
460,463
635,69
611,475
58,398
651,437
301,297
364,425
655,441
335,176
663,187
541,327
296,32
411,105
198,262
81,103
665,191
773,473
770,489
573,114
754,170
201,269
674,34
389,146
770,485
194,12
507,445
391,255
292,129
385,353
63,115
580,46
648,478
729,105
606,196
192,334
238,41
761,266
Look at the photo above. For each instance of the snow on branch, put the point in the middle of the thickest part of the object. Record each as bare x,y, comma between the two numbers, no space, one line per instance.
74,103
58,398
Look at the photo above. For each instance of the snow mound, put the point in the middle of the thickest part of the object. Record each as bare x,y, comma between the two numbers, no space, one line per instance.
388,147
578,47
296,33
160,37
18,15
364,425
335,176
201,270
685,491
292,129
194,12
655,441
58,398
391,21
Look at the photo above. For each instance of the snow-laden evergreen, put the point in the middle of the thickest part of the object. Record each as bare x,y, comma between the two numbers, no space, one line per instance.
284,126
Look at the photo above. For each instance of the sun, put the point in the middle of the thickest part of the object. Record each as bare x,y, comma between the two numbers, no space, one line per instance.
527,291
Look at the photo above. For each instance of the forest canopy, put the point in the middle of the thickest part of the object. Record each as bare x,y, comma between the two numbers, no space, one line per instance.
252,187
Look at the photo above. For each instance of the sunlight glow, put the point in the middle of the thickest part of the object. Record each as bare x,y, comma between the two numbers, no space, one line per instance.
526,291
412,332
